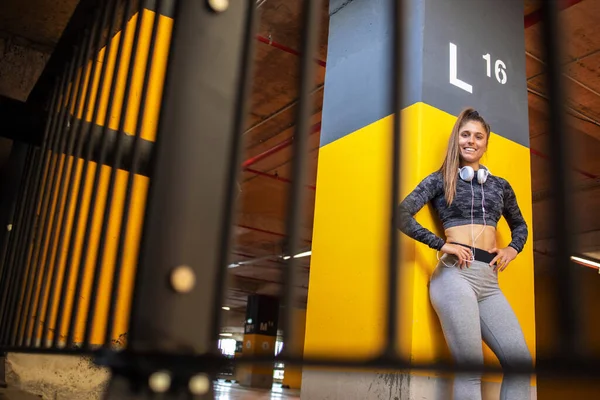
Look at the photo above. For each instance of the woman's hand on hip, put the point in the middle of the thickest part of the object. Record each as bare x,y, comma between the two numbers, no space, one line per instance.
463,253
503,258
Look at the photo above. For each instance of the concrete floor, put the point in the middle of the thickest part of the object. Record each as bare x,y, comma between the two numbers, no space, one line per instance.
224,391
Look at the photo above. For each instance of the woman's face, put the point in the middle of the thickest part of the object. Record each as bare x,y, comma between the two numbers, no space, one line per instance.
472,141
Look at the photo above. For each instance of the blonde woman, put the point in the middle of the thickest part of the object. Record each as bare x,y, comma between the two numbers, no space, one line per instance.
464,289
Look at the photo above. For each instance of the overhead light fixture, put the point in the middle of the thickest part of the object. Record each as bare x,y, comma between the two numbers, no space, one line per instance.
226,308
586,262
299,255
226,334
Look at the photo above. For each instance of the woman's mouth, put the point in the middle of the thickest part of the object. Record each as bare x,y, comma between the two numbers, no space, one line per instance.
469,150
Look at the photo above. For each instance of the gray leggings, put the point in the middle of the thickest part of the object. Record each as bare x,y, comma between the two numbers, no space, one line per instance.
471,306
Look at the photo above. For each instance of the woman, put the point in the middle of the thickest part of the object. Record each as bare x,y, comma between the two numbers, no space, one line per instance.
464,287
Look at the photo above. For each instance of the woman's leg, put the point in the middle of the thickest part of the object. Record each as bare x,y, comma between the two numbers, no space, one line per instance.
502,333
456,305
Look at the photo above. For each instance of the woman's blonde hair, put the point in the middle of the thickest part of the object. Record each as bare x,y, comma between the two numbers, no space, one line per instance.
451,163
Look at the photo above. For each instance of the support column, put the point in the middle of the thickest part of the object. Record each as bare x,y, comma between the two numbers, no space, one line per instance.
260,334
459,53
292,376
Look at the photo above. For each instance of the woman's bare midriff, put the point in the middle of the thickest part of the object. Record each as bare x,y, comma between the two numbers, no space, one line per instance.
466,233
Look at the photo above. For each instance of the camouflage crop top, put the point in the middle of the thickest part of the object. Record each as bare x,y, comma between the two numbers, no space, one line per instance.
499,200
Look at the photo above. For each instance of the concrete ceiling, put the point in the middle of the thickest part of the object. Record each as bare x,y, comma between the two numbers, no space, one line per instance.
29,32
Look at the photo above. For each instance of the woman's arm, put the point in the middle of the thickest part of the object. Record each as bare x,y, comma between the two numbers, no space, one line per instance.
514,218
426,190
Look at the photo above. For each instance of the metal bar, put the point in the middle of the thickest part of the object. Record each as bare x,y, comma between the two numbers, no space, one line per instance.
64,221
8,309
568,321
103,150
51,136
397,44
135,145
295,212
15,223
241,113
89,42
86,160
181,241
49,222
114,290
16,178
85,248
71,35
14,185
27,259
50,261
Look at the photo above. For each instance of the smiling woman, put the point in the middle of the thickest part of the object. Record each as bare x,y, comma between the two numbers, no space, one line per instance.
464,288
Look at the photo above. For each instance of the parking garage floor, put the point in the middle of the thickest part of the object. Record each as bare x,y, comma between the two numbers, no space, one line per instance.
227,391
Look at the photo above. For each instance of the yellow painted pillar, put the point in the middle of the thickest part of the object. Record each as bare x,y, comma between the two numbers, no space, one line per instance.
292,375
458,53
260,335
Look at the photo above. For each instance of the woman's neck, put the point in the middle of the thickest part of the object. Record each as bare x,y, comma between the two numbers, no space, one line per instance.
474,165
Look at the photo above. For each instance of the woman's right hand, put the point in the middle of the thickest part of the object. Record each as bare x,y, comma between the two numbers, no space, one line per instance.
463,253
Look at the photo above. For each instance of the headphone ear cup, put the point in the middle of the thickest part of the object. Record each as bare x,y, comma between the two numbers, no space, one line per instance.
482,175
466,173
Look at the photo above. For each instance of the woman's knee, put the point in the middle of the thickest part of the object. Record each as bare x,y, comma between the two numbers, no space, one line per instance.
517,355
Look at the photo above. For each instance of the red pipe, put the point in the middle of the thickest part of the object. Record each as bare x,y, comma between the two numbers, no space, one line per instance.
280,46
278,147
536,16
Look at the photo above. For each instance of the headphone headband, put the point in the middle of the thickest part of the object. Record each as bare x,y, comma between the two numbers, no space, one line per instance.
467,174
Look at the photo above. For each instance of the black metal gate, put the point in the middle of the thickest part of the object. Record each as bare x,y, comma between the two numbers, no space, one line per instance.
123,122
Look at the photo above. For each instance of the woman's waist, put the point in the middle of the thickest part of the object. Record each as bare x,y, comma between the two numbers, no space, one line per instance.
480,236
479,254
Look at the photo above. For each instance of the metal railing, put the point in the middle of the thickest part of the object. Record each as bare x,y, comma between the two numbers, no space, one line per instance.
115,125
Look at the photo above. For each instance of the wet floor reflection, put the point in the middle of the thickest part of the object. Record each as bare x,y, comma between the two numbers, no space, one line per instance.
232,391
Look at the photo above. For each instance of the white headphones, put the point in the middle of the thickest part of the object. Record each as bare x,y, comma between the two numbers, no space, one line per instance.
467,174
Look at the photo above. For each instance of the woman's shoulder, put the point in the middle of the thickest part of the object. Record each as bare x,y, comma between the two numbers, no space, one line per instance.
501,181
434,177
433,182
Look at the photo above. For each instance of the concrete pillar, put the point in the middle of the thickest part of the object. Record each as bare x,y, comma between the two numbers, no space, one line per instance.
292,377
459,53
260,335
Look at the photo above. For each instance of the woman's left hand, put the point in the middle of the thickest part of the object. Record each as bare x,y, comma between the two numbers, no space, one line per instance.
503,258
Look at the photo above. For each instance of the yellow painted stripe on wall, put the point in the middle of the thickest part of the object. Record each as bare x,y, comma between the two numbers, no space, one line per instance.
348,272
131,247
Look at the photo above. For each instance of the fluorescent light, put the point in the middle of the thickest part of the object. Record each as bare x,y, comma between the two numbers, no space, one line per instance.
583,261
299,255
226,334
226,308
